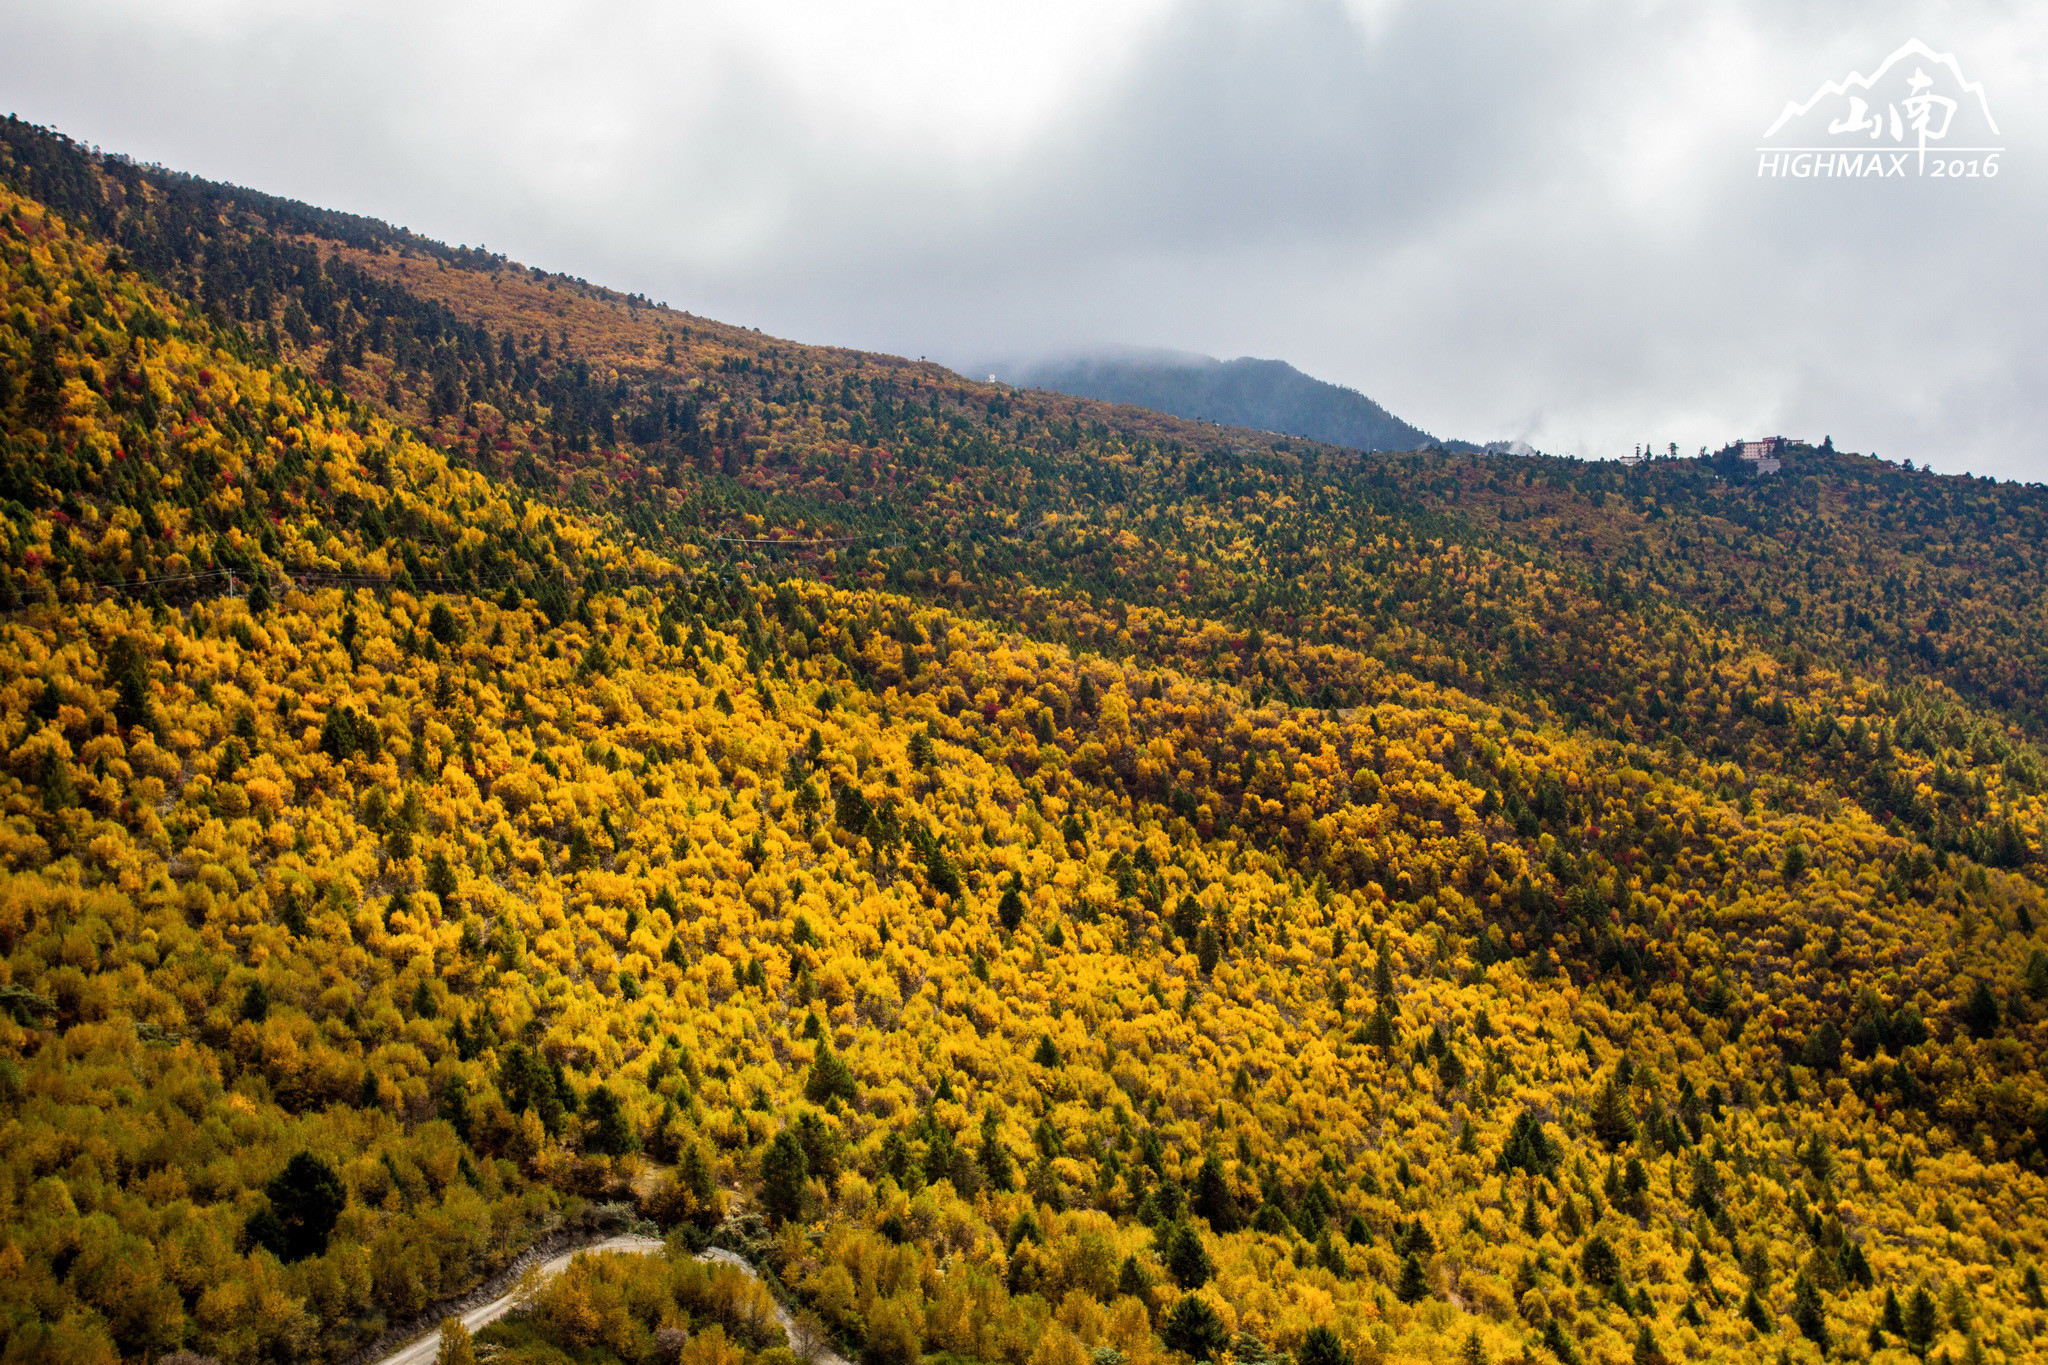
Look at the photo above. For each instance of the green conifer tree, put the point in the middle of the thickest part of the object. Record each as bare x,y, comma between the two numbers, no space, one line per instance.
784,1169
1187,1260
1413,1285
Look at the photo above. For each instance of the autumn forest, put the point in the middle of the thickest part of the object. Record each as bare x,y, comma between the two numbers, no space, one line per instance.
488,762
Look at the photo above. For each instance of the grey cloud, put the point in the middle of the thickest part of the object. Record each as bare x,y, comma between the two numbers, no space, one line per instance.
1495,219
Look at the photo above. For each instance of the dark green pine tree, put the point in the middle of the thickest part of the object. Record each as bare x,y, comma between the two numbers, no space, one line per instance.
1192,1328
1528,1147
1213,1199
606,1131
53,775
1331,1259
1613,1121
1560,1344
1379,1030
1186,1258
1980,1012
1320,1346
1635,1186
995,1158
306,1199
1810,1313
1532,1221
1599,1262
830,1079
441,878
1132,1281
1414,1283
1010,909
784,1169
702,1185
1923,1320
454,1106
442,625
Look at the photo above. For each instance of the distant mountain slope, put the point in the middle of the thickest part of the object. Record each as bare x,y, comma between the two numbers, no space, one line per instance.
1266,395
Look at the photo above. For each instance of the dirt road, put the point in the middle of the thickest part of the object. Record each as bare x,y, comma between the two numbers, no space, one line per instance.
422,1350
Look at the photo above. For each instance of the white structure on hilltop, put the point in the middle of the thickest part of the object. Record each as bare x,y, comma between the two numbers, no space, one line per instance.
1648,454
1764,454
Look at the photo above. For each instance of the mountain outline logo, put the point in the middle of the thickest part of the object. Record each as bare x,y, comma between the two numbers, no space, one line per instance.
1898,121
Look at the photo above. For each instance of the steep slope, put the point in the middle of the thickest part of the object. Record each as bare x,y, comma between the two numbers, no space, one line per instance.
1263,395
550,379
1032,516
1120,885
1906,575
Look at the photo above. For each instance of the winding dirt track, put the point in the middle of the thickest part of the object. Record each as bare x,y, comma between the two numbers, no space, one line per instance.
423,1349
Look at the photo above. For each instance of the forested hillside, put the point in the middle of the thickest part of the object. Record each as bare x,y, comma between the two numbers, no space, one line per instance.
486,757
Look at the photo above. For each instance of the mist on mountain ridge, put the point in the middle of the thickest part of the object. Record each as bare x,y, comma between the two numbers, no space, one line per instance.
1264,395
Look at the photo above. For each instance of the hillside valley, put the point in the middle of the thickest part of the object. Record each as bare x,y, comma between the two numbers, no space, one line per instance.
490,759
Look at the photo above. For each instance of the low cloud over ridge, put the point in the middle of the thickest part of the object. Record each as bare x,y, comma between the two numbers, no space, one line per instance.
1496,221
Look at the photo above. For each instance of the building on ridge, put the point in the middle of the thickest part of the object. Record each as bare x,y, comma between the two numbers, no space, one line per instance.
1765,454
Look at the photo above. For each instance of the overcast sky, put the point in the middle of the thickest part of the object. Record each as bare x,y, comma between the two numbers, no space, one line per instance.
1501,220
